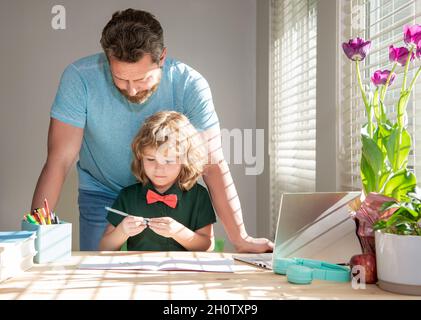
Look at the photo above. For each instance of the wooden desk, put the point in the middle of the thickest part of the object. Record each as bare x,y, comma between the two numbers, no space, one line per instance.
65,281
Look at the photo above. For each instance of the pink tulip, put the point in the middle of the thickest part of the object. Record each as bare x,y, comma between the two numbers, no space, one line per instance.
380,77
356,49
412,34
399,55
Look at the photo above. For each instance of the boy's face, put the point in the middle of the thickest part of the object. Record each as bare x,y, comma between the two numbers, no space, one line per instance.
136,81
162,166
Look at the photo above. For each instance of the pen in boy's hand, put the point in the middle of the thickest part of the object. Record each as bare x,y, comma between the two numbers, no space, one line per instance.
121,213
124,214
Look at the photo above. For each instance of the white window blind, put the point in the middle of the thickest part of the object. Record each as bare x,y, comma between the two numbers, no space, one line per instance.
293,99
382,22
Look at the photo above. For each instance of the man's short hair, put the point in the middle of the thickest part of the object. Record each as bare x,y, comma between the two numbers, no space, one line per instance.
132,33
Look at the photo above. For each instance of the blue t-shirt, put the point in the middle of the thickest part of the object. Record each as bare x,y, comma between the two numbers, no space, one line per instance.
87,98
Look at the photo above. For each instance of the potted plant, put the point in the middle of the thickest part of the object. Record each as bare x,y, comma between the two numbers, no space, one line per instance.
398,246
386,145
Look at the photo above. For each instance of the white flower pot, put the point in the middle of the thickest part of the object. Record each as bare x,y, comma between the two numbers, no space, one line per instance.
398,263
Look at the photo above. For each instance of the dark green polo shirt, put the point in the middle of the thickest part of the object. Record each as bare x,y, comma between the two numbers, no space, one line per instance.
194,210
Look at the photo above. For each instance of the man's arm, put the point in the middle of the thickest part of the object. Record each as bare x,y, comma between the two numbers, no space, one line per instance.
64,142
225,199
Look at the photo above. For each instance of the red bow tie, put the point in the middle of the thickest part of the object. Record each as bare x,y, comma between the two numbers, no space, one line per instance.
169,199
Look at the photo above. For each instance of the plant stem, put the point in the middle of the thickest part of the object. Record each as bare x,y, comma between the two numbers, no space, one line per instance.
414,79
396,165
383,94
405,74
403,101
361,84
367,105
375,104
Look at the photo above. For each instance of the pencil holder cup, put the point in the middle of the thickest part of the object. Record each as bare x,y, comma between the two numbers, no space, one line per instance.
53,241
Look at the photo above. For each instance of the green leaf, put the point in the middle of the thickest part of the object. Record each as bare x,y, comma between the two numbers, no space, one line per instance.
411,210
384,177
374,157
414,196
368,178
384,130
403,101
399,184
397,219
383,116
389,205
398,148
381,224
405,228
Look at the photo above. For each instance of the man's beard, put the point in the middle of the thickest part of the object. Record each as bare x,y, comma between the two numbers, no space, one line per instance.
140,97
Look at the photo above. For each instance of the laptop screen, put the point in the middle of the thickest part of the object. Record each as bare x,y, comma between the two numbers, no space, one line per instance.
316,226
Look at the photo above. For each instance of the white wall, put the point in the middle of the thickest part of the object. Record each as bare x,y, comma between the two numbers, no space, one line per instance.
326,110
262,112
217,37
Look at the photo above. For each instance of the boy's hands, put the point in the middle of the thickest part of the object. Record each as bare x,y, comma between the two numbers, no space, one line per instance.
165,226
132,226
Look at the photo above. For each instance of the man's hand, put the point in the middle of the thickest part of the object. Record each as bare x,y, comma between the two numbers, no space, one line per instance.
165,226
254,245
132,226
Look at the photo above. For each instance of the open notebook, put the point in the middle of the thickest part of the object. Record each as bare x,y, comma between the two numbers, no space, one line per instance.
158,264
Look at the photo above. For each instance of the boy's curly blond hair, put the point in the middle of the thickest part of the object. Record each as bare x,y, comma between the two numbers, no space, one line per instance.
170,131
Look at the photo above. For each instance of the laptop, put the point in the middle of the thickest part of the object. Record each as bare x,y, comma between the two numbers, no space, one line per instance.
313,226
